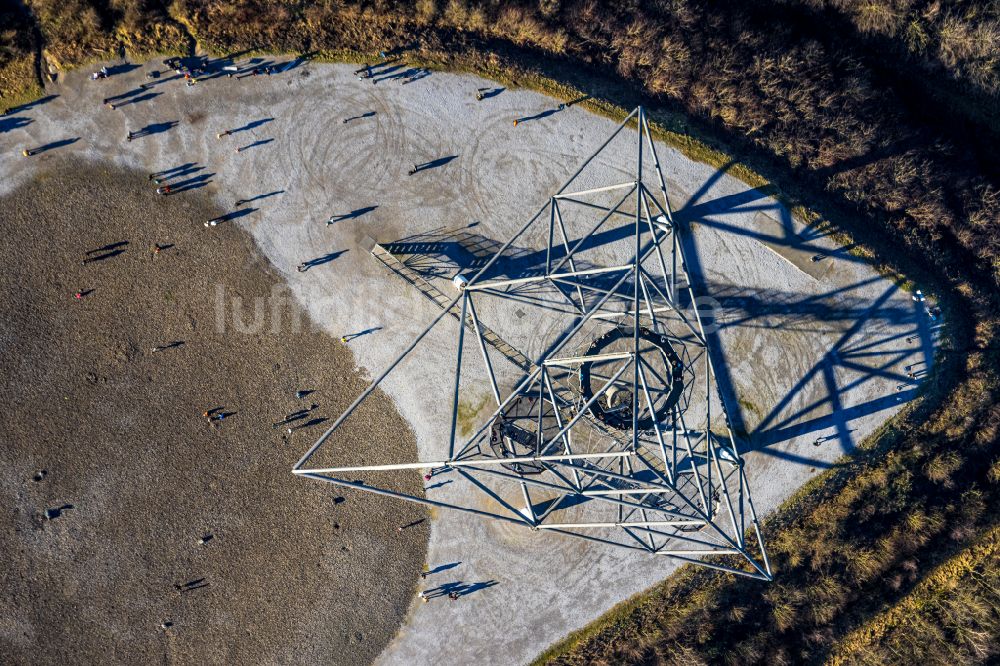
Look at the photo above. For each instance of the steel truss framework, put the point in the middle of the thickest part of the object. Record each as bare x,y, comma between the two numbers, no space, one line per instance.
596,439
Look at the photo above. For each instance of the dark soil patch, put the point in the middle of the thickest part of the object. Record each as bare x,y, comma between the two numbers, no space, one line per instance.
108,437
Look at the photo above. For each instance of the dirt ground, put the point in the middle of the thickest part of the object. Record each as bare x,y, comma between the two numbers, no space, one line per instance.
292,573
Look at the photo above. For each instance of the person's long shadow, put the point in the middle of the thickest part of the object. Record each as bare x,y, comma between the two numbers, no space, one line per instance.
262,66
139,100
259,142
30,105
459,588
178,171
108,248
407,75
104,253
222,61
122,68
433,164
384,68
255,67
191,585
254,124
367,331
476,587
367,114
213,68
443,567
357,212
194,183
543,114
319,261
295,63
309,424
259,197
236,214
8,124
155,128
125,95
183,172
420,73
56,144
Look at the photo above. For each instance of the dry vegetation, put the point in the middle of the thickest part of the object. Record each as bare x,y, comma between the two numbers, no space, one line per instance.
839,103
17,59
955,611
941,57
74,31
959,39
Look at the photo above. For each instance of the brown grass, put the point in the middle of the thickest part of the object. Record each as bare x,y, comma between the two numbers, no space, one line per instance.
18,81
951,616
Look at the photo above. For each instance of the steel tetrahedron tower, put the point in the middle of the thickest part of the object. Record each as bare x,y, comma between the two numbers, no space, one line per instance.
609,425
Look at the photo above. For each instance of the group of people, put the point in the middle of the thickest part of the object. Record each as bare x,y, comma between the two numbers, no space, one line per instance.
427,595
